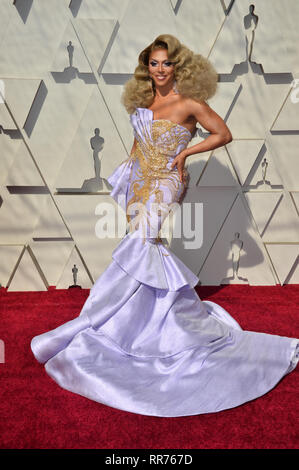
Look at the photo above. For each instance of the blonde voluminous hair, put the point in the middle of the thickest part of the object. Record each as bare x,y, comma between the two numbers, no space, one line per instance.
195,76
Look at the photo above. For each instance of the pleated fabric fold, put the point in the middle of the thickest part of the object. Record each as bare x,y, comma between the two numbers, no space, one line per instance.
152,263
119,180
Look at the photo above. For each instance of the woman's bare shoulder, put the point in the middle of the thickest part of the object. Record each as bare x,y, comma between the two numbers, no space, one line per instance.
195,106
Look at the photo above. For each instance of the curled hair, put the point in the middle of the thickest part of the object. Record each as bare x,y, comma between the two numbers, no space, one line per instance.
195,76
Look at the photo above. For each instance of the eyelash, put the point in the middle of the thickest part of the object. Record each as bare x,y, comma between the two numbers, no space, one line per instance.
168,64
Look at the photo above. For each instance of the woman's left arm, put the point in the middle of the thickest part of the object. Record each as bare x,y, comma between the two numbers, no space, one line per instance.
212,122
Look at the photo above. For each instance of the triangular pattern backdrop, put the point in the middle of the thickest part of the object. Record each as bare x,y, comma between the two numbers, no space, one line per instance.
63,130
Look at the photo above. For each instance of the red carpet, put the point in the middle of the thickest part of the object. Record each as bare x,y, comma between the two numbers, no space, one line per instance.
36,413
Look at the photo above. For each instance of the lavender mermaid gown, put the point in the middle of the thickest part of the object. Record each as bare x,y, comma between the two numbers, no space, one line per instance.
144,341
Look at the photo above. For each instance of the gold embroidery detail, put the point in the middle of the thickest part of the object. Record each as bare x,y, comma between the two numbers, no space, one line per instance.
153,153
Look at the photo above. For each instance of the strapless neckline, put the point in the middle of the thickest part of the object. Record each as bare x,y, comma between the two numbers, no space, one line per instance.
167,120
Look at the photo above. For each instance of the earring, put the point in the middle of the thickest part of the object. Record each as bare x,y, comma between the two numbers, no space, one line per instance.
175,87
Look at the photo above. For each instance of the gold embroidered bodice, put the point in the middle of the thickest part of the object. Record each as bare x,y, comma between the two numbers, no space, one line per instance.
151,179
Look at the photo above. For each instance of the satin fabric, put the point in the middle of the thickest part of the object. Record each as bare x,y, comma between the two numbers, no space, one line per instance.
144,341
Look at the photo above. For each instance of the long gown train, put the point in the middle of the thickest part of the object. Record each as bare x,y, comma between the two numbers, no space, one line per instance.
144,341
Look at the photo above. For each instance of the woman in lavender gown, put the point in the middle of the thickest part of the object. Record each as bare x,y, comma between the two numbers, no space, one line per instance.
144,341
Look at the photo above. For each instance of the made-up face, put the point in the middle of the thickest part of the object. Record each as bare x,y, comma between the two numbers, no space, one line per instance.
160,68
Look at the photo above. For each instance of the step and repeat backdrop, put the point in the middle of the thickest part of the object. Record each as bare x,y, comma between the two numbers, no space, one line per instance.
63,130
